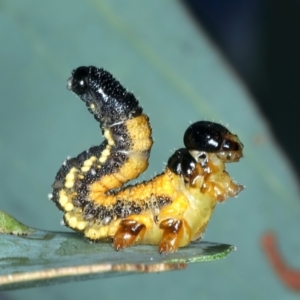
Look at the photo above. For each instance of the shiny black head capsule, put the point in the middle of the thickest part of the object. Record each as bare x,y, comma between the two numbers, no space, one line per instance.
210,137
182,163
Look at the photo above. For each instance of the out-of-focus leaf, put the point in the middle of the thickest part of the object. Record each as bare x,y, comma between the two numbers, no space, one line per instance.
43,258
10,225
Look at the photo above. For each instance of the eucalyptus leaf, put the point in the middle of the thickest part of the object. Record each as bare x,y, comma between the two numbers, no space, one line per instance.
42,258
10,225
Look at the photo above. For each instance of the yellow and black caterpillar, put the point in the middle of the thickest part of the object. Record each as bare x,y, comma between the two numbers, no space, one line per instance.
170,210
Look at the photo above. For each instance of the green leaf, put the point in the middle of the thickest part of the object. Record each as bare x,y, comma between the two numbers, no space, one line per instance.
43,258
10,225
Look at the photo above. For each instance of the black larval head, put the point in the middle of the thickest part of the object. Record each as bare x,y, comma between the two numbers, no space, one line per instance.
205,136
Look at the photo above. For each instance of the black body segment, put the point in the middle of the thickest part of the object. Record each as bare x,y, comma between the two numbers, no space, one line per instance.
104,96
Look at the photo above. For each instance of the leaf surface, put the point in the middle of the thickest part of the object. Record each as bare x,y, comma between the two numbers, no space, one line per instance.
31,258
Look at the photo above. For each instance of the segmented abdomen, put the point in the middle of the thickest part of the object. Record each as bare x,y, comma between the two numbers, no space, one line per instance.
83,184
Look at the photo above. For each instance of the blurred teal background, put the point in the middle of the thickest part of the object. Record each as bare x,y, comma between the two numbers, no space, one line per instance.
156,50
